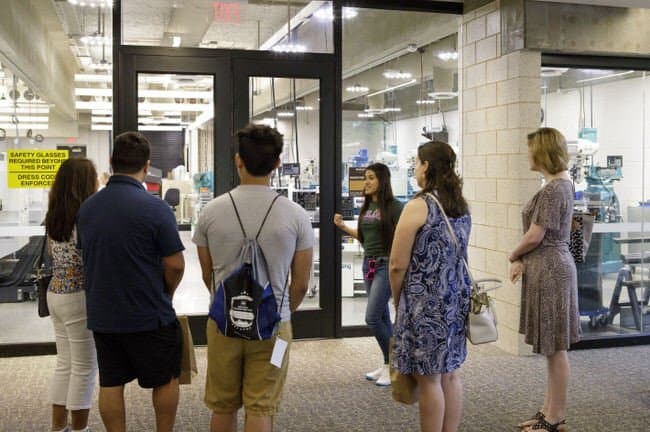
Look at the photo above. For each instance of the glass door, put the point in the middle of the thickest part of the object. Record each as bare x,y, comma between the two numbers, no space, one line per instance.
297,99
190,102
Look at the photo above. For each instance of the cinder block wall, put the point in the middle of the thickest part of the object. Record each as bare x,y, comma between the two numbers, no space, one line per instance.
500,105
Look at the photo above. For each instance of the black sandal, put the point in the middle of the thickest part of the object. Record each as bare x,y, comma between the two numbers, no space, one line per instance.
531,421
543,425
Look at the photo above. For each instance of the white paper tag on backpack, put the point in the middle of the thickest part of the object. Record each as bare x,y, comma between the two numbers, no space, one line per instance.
279,349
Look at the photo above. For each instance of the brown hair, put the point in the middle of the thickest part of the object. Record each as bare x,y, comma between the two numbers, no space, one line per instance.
385,201
441,177
548,150
75,181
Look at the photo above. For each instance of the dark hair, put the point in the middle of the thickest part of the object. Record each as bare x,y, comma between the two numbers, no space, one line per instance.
259,148
75,181
131,152
385,200
441,177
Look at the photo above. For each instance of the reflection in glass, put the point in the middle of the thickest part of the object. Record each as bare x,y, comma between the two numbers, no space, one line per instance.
601,113
282,26
399,90
292,107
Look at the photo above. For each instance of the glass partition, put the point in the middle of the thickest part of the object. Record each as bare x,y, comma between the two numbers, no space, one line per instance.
292,106
603,115
283,26
400,84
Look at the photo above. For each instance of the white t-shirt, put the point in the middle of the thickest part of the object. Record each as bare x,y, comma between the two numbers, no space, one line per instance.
286,230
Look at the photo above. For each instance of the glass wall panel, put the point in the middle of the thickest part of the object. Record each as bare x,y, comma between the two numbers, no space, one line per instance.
292,107
282,25
400,84
603,115
176,114
48,89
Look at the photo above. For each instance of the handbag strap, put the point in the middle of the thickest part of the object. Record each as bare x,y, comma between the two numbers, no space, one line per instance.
473,281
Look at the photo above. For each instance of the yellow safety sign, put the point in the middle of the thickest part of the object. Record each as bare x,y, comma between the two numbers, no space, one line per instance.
33,169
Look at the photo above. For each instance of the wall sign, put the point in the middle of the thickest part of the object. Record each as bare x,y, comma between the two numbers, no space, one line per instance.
33,169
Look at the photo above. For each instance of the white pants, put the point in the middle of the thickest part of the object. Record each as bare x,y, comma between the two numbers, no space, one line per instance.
76,361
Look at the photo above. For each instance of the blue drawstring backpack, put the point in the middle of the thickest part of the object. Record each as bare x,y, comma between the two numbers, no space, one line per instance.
244,304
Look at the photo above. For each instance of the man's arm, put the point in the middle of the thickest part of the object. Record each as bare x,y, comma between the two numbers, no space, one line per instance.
300,275
205,259
173,269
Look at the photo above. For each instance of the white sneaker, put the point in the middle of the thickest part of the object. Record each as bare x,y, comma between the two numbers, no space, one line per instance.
374,375
384,378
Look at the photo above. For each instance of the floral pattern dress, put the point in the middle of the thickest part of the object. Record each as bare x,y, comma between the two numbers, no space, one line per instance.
430,328
67,266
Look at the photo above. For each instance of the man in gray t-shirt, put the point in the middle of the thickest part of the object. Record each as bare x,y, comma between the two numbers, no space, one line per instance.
240,371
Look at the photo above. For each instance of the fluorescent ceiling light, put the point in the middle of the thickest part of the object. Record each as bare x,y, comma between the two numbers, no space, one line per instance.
176,41
395,87
390,74
10,110
304,108
289,48
100,127
158,94
145,106
284,114
425,101
24,126
357,89
92,3
448,55
549,72
615,75
443,95
365,115
96,40
93,78
25,119
102,112
326,13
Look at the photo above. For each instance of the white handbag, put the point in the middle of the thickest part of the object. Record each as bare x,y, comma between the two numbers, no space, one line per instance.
481,324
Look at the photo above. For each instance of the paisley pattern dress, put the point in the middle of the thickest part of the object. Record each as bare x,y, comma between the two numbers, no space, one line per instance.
430,328
67,267
549,289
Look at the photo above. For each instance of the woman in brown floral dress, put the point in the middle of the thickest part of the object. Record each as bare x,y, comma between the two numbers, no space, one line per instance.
549,299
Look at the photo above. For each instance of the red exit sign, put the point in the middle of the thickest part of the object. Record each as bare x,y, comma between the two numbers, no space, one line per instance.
227,11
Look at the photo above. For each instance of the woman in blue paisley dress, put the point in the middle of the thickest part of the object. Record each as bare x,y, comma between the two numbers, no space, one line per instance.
76,362
431,288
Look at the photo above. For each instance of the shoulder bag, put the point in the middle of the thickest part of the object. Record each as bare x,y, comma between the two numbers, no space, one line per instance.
481,324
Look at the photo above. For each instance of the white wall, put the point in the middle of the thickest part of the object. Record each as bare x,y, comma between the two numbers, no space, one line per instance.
618,115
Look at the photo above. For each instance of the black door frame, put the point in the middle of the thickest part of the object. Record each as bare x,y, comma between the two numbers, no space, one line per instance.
123,57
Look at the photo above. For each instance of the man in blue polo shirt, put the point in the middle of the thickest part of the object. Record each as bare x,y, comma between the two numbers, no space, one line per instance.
133,262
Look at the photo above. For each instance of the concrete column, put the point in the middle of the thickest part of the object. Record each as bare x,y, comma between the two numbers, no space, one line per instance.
500,105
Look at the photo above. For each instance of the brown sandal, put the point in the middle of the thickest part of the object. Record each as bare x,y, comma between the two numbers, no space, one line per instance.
543,425
531,421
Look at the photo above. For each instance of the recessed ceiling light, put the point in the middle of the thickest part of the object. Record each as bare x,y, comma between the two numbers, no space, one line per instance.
425,101
448,55
357,89
390,74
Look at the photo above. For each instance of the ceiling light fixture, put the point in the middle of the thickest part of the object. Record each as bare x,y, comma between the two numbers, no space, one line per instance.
365,115
304,108
92,3
448,55
549,72
357,89
387,89
425,101
327,13
285,114
390,74
615,75
443,95
290,48
96,40
176,41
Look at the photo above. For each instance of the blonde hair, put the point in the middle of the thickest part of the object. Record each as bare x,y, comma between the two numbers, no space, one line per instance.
549,150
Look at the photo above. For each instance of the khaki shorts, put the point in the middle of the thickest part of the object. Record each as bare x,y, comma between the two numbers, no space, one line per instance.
240,373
